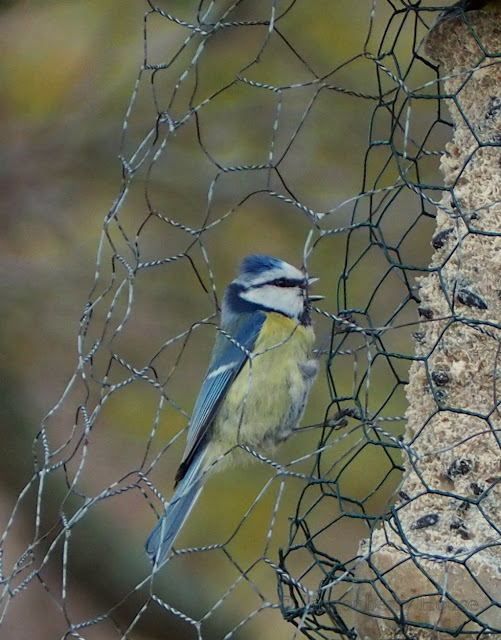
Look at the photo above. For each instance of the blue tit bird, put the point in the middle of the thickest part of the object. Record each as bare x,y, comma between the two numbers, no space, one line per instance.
255,389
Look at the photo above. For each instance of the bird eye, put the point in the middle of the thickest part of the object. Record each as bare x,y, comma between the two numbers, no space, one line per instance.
285,282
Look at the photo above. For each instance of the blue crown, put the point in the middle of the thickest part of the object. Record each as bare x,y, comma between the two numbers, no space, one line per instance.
258,264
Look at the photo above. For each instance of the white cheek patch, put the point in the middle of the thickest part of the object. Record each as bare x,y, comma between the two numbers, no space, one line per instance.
286,300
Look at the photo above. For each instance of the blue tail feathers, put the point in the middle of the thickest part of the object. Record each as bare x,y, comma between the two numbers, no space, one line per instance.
163,535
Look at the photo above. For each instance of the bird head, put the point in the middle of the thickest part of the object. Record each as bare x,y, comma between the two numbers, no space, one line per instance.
270,284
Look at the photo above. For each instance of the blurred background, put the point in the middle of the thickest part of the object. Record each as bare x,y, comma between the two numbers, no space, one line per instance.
316,98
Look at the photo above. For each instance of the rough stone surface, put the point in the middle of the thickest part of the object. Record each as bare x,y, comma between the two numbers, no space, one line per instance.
437,562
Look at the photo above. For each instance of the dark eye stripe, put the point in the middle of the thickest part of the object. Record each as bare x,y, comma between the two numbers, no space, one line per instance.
285,282
280,282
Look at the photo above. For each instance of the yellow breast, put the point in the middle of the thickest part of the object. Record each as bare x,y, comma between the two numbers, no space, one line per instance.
268,396
286,332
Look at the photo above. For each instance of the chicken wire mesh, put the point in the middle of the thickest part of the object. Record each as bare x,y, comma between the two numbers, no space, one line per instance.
313,132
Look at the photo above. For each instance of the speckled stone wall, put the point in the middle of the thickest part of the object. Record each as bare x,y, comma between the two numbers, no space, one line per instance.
436,563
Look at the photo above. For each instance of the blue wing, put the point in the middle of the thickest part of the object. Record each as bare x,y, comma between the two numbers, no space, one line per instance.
228,358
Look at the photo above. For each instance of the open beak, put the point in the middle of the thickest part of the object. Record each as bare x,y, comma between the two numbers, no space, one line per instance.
313,298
